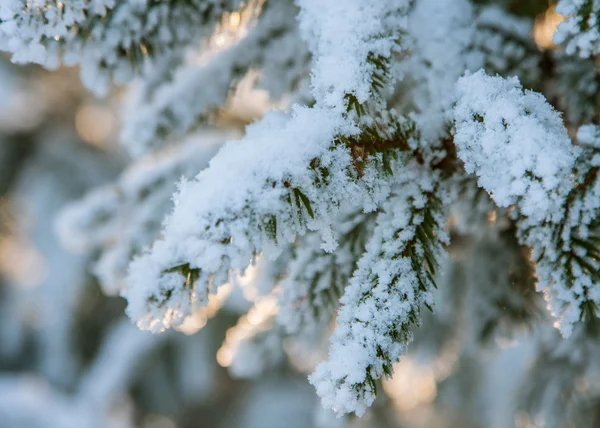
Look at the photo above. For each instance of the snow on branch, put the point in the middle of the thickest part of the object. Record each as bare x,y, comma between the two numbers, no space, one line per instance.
185,101
222,217
449,37
349,40
239,207
317,278
382,302
568,265
109,39
579,33
119,220
288,174
516,144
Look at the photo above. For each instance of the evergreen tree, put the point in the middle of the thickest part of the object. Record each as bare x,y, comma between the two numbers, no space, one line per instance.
421,143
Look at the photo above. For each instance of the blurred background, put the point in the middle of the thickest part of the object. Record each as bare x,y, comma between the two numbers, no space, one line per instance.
69,357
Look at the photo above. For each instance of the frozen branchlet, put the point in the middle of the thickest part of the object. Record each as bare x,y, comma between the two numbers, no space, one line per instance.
384,297
119,220
344,38
288,174
567,252
341,201
577,88
109,39
515,143
501,128
317,278
195,91
250,208
243,200
580,31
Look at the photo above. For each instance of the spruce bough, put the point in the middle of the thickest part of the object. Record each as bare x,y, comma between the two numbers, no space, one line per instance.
352,192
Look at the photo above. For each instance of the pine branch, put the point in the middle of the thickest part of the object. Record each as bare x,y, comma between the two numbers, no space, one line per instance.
197,92
575,85
382,302
316,279
268,206
554,213
120,219
579,32
570,268
110,39
549,193
277,210
507,46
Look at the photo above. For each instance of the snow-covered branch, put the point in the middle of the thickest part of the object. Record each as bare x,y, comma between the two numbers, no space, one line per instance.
109,39
383,300
580,31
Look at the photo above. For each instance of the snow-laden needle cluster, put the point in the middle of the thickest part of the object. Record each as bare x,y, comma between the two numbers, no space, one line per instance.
342,202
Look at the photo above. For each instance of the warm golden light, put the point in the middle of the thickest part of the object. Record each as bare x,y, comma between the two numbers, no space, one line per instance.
545,26
256,320
21,263
200,317
247,282
234,20
95,124
411,386
234,25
